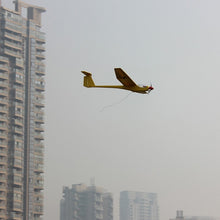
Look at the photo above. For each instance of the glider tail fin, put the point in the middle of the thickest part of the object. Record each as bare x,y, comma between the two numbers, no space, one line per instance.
88,81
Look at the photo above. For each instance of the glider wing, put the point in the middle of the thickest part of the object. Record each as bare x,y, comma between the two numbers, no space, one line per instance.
124,78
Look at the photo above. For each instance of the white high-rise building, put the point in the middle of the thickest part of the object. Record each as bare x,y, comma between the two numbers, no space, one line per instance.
138,206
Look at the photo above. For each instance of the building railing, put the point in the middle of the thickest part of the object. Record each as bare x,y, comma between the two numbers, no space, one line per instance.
3,83
2,170
3,142
40,36
2,66
11,44
13,36
13,27
2,108
5,101
4,58
2,91
40,86
15,53
4,75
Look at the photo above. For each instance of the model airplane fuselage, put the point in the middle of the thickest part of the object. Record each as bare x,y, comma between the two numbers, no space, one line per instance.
127,82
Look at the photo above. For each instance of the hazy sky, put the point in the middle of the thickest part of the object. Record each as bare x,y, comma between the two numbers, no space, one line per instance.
167,142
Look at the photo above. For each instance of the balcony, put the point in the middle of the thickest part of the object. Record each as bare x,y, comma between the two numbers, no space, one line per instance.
3,187
39,103
40,70
12,27
19,165
3,59
38,211
3,143
40,37
3,75
2,171
18,130
40,179
3,109
39,47
39,119
39,185
3,67
39,168
39,194
19,77
14,37
38,136
18,122
3,137
40,87
39,151
19,96
38,202
3,214
3,101
2,196
18,114
39,128
18,179
3,84
12,53
19,63
3,126
16,137
13,45
17,206
18,173
4,92
40,56
3,178
2,205
3,152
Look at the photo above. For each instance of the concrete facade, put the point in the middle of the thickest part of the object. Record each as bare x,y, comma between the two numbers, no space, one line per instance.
86,203
22,72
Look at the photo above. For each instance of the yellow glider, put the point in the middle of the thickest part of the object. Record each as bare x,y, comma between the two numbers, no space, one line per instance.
127,82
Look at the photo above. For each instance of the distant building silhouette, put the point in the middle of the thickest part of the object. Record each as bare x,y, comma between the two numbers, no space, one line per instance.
86,203
180,216
138,206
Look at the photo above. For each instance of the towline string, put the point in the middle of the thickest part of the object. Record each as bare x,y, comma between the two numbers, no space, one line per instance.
116,103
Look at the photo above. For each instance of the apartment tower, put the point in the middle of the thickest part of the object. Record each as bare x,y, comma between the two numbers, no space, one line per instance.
86,203
22,71
138,206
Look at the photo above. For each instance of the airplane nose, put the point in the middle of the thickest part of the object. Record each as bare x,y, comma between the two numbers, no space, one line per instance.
151,88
